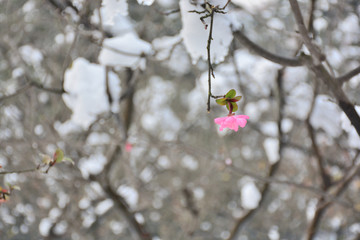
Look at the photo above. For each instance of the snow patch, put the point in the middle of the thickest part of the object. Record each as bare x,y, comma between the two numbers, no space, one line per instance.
250,196
86,96
271,146
124,51
326,116
195,35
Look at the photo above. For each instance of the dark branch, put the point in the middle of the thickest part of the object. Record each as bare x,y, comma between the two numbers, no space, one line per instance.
210,68
347,76
314,50
47,89
19,171
291,62
18,92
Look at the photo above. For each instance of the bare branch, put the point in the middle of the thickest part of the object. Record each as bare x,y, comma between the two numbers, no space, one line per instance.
347,76
335,88
18,92
210,68
47,89
292,62
326,180
314,50
19,171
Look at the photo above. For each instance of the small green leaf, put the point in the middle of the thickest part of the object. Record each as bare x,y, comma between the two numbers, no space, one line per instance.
237,98
59,155
66,159
46,159
235,106
15,187
231,94
221,101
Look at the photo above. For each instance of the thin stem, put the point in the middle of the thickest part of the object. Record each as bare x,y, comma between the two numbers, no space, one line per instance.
19,171
210,70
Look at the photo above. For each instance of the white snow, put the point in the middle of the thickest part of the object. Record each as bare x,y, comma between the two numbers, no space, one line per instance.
253,6
250,195
130,194
31,55
190,162
86,87
103,206
311,208
286,125
195,36
269,128
273,233
111,8
164,162
124,51
44,226
271,146
145,2
299,101
255,109
163,45
146,175
353,137
92,165
259,72
157,116
96,138
326,116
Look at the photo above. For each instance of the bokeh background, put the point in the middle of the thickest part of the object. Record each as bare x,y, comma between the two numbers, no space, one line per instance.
92,77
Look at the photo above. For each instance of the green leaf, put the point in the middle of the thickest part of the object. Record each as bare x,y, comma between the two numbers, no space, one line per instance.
237,98
59,155
15,187
221,101
231,94
235,106
66,159
46,159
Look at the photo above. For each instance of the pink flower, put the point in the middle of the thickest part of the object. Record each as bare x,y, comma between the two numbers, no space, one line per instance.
128,147
233,122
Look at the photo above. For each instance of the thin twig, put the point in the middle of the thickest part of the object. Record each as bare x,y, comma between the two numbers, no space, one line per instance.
19,171
47,89
324,203
210,68
314,50
18,92
167,13
271,180
347,76
326,180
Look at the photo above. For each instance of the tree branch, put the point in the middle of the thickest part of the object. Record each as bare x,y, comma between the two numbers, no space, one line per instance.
18,92
347,76
314,50
210,68
19,171
292,62
335,87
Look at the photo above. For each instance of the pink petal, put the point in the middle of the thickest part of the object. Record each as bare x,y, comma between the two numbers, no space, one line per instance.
128,147
220,120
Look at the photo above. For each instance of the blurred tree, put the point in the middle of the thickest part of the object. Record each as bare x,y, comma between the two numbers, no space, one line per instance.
123,89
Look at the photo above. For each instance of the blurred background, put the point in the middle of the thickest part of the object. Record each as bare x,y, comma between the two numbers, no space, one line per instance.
121,87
